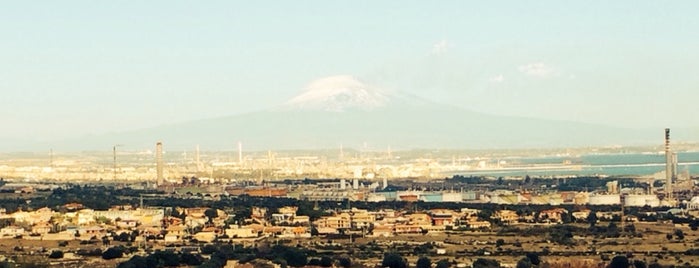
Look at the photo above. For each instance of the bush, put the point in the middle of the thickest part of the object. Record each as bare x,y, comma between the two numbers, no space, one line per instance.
326,261
499,242
444,263
486,263
619,262
113,253
90,253
314,262
344,262
524,263
424,262
56,254
191,259
208,249
533,258
393,260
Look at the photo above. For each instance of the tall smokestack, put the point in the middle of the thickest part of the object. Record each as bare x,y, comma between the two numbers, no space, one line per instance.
159,162
240,152
668,165
674,166
269,158
198,158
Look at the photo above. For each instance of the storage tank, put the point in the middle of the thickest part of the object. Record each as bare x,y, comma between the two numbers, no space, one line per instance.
452,197
376,198
431,197
641,200
605,199
469,195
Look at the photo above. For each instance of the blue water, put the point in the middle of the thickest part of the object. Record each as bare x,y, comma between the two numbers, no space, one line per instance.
598,164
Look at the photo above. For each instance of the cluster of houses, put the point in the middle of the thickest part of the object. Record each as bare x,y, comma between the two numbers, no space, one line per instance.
393,222
73,221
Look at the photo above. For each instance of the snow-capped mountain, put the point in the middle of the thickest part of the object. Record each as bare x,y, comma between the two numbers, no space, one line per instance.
343,110
337,94
345,93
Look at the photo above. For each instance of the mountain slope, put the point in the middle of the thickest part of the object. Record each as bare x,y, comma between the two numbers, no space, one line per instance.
433,127
342,110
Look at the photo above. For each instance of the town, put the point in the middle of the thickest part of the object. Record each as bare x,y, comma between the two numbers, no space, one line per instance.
555,221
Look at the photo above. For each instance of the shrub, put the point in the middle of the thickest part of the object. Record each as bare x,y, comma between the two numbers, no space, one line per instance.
56,254
113,253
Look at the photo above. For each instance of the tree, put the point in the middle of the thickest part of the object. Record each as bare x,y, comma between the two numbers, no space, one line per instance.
619,262
56,254
293,256
639,264
344,262
592,218
444,263
191,259
133,235
524,263
123,237
314,262
424,262
566,217
211,213
486,263
113,253
326,261
533,258
612,230
499,242
679,234
393,260
168,258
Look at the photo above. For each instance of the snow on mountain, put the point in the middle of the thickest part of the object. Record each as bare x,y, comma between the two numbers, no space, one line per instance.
338,94
344,110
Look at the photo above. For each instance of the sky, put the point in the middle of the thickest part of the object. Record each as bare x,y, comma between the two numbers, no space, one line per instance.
72,68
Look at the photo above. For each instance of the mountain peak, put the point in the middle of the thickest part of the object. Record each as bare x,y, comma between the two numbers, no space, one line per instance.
339,93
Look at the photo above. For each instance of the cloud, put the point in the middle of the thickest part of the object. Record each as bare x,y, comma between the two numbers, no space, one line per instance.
497,79
440,47
537,69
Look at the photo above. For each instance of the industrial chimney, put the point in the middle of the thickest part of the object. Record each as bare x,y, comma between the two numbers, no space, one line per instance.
159,162
668,165
240,152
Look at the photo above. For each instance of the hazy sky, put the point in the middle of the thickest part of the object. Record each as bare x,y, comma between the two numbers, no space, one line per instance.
69,68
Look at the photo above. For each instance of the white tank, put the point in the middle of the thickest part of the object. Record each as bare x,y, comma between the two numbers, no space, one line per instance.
376,198
452,197
605,199
641,200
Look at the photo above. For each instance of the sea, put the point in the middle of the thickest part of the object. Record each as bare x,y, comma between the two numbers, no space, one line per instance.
617,165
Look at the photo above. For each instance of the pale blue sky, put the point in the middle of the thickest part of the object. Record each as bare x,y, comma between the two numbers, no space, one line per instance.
69,68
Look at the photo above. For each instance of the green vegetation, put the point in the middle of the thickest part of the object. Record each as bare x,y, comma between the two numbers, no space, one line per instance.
393,260
423,262
163,259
